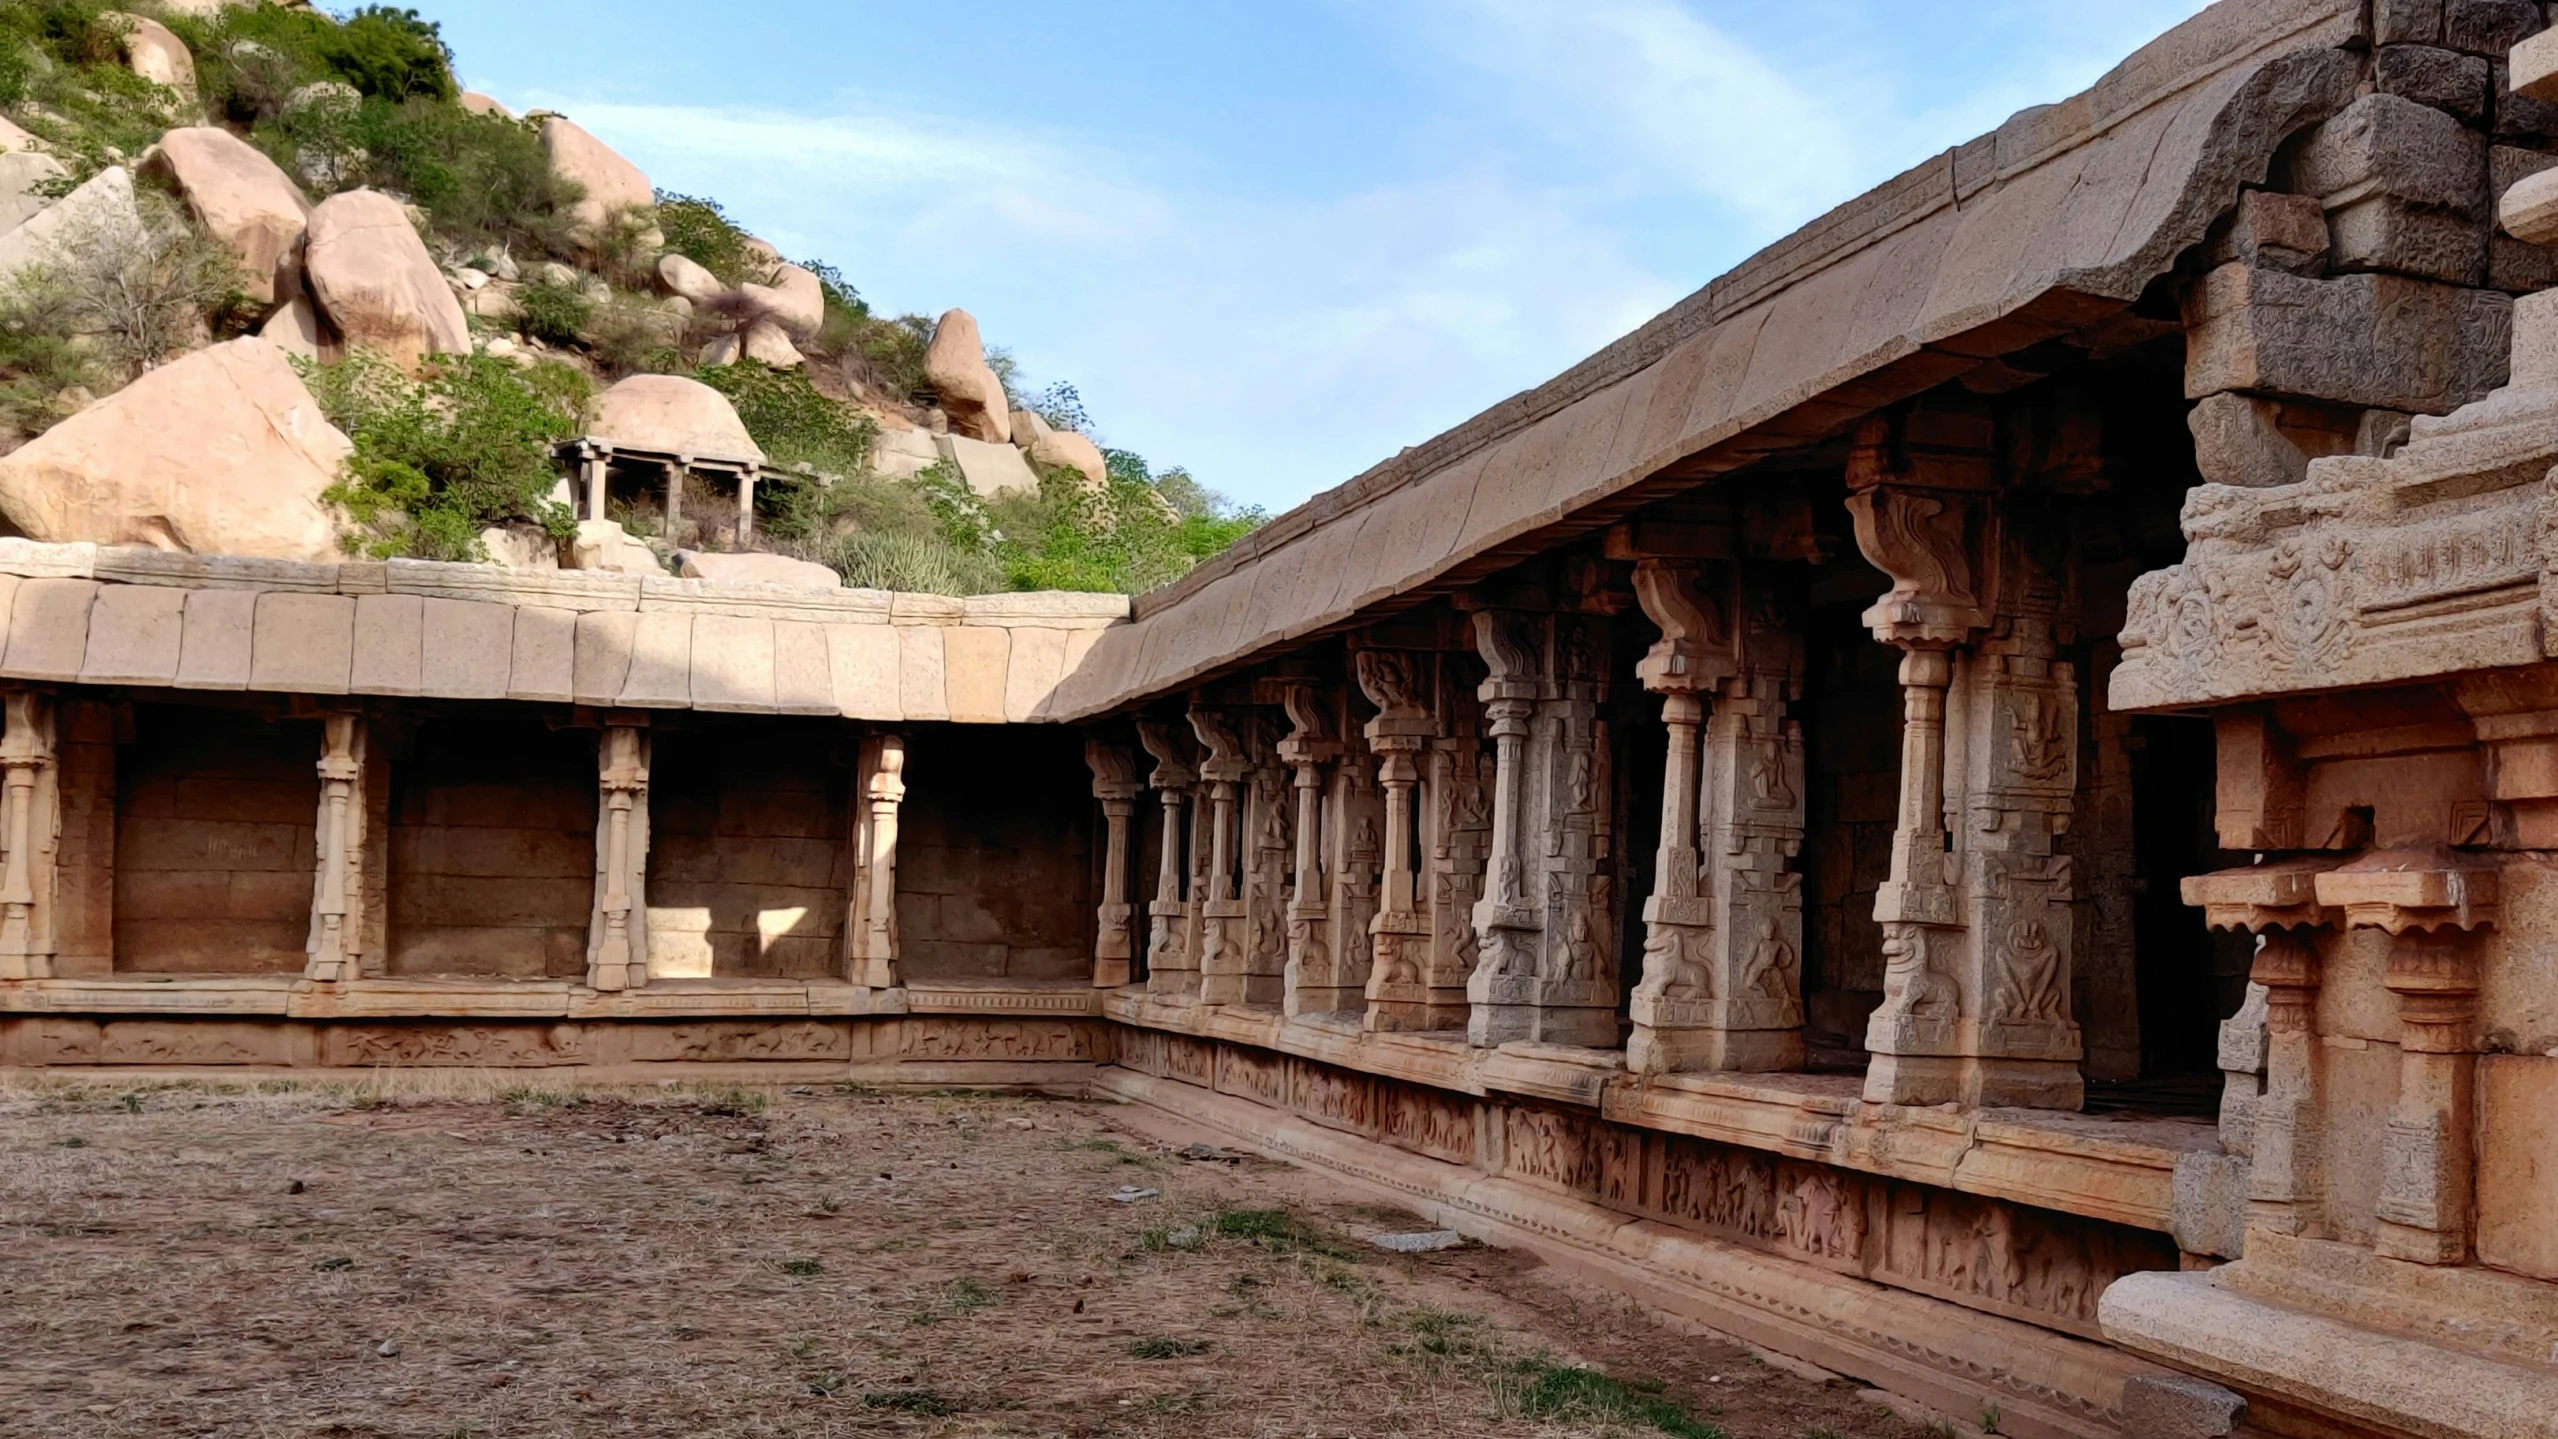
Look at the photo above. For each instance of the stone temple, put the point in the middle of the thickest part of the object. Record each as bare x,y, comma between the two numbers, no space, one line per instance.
1973,804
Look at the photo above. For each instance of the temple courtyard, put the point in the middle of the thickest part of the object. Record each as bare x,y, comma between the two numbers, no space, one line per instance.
466,1255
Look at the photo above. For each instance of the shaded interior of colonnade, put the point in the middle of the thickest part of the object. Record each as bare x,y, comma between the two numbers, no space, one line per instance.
2111,461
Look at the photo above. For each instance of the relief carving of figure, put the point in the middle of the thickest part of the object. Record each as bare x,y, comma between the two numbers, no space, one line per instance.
1768,789
1770,966
1305,940
1911,984
1578,784
1394,955
1580,949
2030,970
2038,736
1665,955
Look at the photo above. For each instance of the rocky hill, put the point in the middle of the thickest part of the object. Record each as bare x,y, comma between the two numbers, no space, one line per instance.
272,284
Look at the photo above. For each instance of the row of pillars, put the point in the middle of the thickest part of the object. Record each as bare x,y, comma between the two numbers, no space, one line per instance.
594,463
346,938
1496,913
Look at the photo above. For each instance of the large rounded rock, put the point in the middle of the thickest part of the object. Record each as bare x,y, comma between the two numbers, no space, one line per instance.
770,343
100,213
154,52
479,104
671,415
686,278
241,199
612,183
377,284
795,301
221,452
20,172
955,365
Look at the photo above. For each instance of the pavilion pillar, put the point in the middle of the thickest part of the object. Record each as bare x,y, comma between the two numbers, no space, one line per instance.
30,835
746,505
1976,918
617,934
1399,995
1114,785
1722,967
1223,916
871,930
338,917
1320,977
2278,903
1172,919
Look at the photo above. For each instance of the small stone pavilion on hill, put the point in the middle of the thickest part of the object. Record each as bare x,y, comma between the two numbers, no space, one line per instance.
1972,804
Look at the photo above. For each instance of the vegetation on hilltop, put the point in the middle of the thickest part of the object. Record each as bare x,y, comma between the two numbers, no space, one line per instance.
369,100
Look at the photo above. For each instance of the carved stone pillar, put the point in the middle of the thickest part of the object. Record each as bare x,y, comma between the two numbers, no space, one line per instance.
1225,916
1114,784
1353,851
617,943
1546,930
1172,919
1319,977
31,832
1722,968
338,920
1398,992
2431,904
871,928
2279,903
1509,922
1456,845
1977,926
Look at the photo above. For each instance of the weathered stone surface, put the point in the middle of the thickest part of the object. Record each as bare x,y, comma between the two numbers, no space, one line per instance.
297,329
543,665
2174,1406
154,52
135,635
2529,210
390,645
214,654
14,138
1074,452
2383,233
20,172
2238,440
862,663
605,545
2390,145
2279,232
2534,68
479,104
303,644
898,454
685,278
377,284
103,205
672,415
795,301
989,469
2489,27
221,452
768,343
922,686
612,183
466,649
976,663
2396,22
2446,80
756,569
241,198
955,365
2378,340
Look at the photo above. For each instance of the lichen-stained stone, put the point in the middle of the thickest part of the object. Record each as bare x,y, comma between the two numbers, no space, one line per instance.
543,666
466,649
862,664
1036,663
303,644
134,635
922,690
803,668
974,660
604,644
661,663
213,653
732,663
2384,341
390,644
49,629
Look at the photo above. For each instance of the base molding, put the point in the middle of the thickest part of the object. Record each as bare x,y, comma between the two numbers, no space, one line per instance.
1953,1359
2306,1373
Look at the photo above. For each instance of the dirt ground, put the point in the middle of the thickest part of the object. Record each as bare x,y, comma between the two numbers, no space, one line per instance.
442,1260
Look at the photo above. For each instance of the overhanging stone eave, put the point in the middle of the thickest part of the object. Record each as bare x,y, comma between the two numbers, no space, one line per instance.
2120,220
1827,407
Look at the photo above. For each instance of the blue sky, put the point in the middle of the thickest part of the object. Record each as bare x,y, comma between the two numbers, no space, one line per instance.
1277,242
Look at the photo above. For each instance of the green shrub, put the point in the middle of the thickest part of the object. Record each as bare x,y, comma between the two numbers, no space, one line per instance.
49,375
251,58
700,231
553,314
794,423
887,356
140,291
914,564
441,458
1126,537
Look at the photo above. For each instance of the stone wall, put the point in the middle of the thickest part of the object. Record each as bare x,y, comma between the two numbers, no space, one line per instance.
492,847
749,865
214,843
995,856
